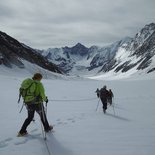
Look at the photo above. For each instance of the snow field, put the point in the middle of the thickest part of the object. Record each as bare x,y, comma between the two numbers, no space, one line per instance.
79,129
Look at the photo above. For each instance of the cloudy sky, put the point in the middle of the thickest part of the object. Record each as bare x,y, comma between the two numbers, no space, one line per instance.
55,23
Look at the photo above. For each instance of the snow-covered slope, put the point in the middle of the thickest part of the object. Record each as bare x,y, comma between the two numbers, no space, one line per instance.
12,53
79,129
29,70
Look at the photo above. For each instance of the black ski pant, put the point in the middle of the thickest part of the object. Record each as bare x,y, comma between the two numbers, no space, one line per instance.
104,102
39,108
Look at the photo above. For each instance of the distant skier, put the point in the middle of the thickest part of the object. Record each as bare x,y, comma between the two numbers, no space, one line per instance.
104,94
110,97
97,92
33,94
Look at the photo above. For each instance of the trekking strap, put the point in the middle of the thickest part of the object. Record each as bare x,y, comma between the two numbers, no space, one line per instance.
76,100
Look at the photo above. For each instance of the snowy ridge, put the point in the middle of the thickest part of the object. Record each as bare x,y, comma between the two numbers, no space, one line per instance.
30,70
128,55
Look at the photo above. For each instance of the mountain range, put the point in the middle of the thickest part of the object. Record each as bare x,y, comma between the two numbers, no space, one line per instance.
122,56
137,53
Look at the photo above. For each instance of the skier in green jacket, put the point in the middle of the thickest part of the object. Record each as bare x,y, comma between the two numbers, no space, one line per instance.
33,94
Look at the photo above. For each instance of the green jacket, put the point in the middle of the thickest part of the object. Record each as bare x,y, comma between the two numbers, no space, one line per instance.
35,91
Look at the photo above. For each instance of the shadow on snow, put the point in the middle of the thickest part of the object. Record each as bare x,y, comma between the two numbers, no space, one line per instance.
118,117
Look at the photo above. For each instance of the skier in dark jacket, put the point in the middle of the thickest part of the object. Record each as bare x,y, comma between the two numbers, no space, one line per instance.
104,94
97,92
110,97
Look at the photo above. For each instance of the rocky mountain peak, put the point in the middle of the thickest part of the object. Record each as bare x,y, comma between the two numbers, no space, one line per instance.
79,45
145,33
79,49
150,26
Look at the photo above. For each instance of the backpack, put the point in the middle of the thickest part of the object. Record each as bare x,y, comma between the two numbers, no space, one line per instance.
104,93
27,89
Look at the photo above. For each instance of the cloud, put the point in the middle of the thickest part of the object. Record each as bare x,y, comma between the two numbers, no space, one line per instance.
56,23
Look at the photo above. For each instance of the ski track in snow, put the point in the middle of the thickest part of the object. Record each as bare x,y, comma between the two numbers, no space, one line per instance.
69,120
20,140
4,143
33,135
59,122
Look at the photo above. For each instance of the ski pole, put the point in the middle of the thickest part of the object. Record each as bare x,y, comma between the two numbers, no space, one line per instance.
97,104
113,106
21,108
43,114
46,109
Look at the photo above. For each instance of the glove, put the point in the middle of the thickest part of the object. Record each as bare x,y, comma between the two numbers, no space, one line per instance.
46,100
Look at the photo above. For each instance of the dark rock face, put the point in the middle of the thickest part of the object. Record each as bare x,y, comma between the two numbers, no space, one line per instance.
78,49
151,70
12,52
142,47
